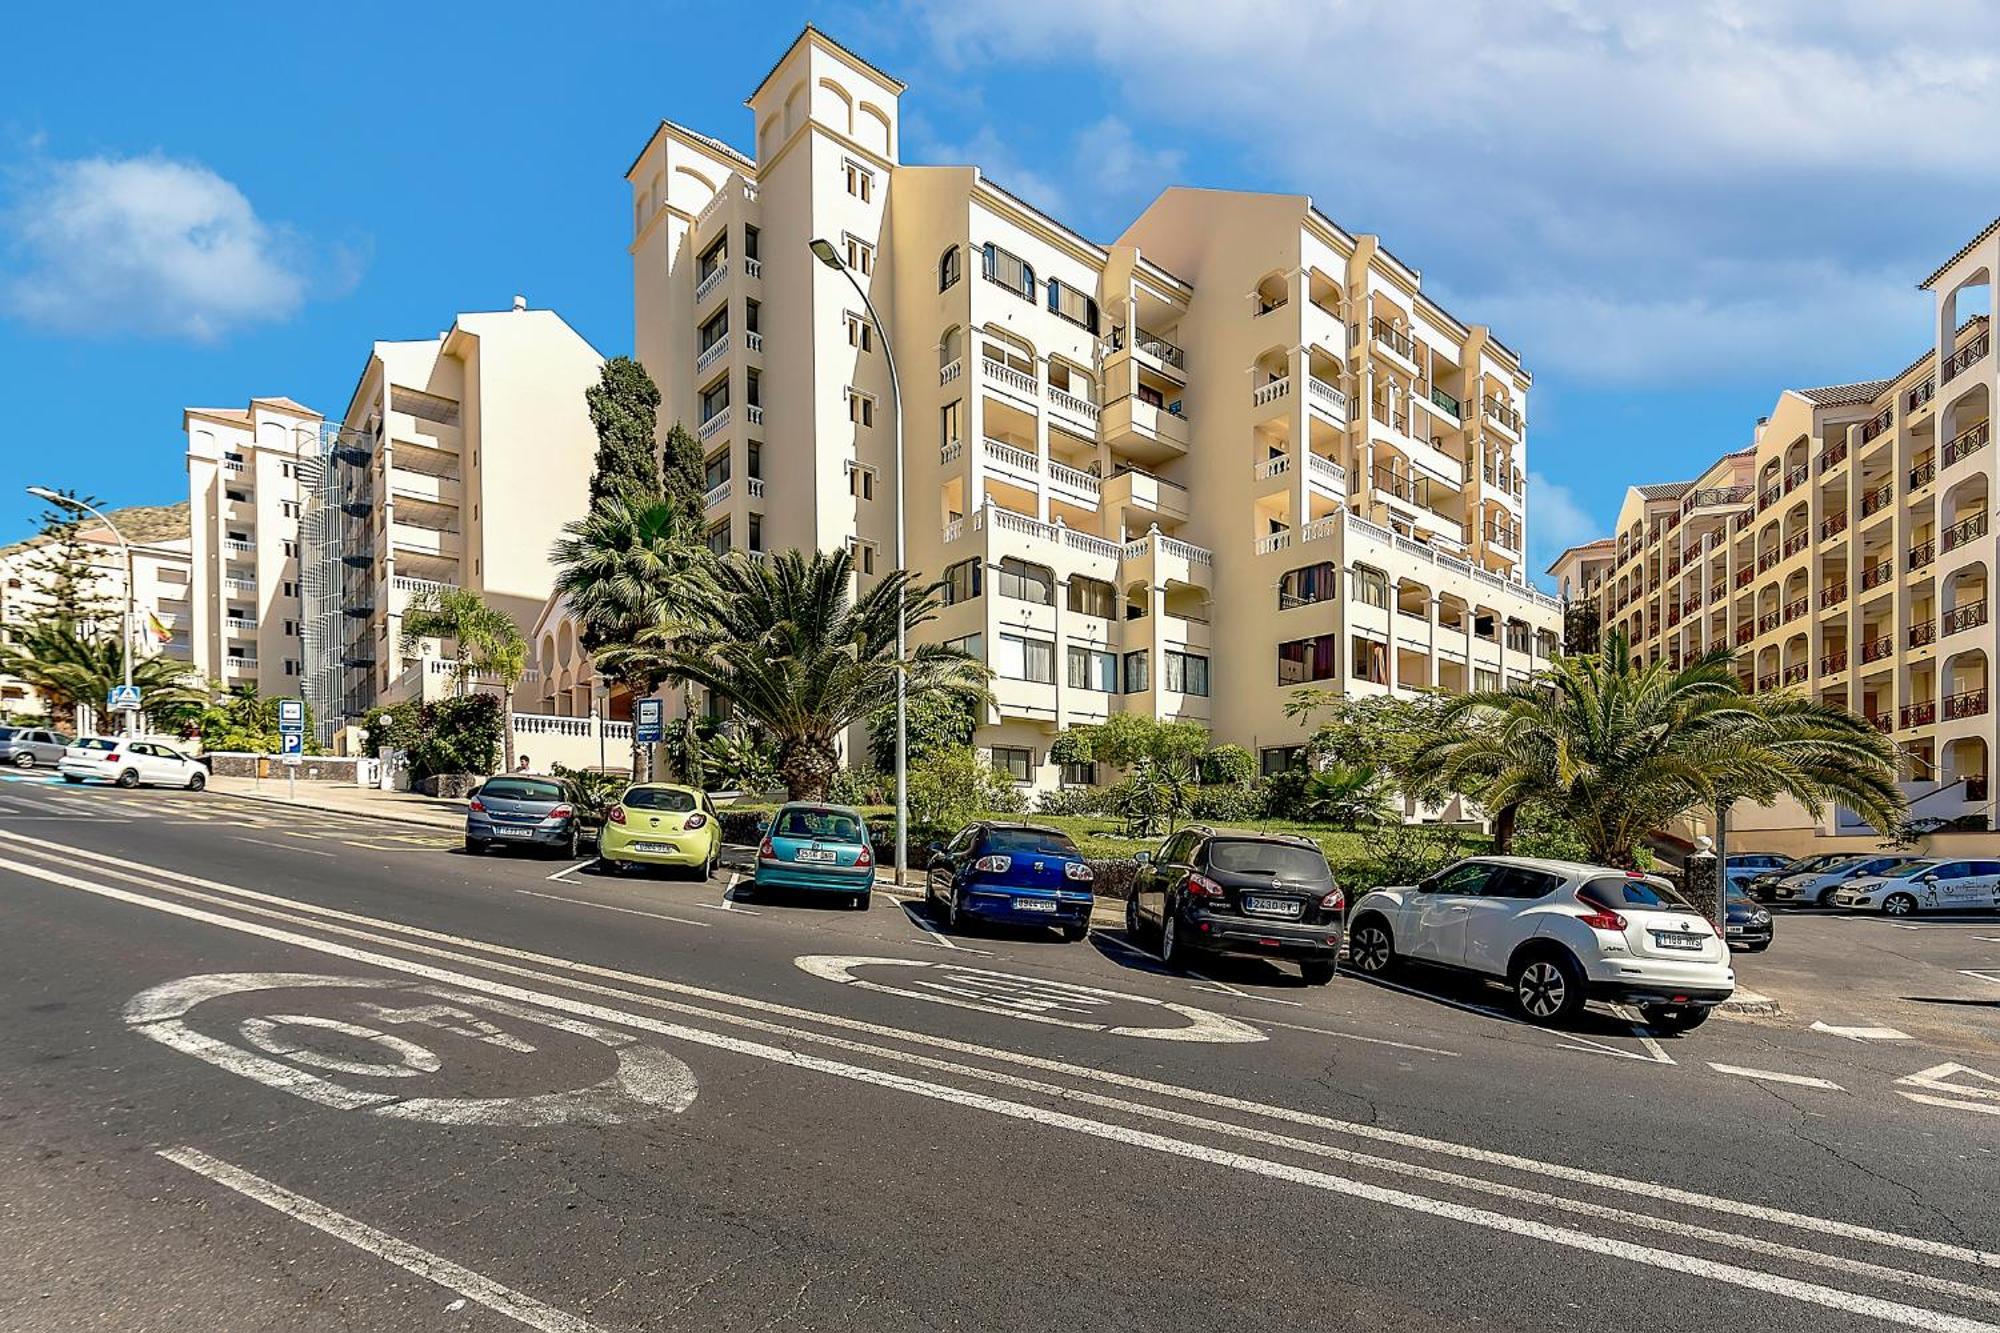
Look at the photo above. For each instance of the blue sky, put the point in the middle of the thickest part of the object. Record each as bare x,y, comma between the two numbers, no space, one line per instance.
1672,217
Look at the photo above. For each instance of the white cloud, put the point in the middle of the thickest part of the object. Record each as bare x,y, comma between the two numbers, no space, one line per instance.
1712,188
1556,521
145,245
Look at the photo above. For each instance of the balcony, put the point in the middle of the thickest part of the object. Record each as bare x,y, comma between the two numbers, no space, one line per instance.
1966,443
1919,715
1769,621
1829,528
1770,496
1797,542
710,281
1920,396
711,354
1874,650
418,540
1017,382
241,624
1080,410
429,487
1967,703
1795,674
1832,597
1143,497
717,494
1745,577
1969,616
1834,662
1146,430
754,488
1835,455
1796,609
1275,390
1965,357
238,546
1923,553
1875,575
1878,499
1152,350
951,370
1716,497
714,426
1388,338
242,664
1796,478
1327,400
1767,682
1502,414
1923,474
1879,423
247,587
1923,634
1965,530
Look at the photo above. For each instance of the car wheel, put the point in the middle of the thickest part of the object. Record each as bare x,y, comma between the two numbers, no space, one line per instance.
1370,949
955,917
73,779
611,866
24,760
1824,898
1673,1017
1760,946
1898,904
1172,952
1548,988
860,902
196,781
129,778
1075,930
474,846
1134,927
1316,972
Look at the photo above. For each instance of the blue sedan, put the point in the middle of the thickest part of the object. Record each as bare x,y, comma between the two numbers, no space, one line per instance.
1014,873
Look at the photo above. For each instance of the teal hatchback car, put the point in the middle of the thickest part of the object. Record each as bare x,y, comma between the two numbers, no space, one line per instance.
819,849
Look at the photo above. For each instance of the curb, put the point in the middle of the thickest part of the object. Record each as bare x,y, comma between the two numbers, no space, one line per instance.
389,816
1750,1003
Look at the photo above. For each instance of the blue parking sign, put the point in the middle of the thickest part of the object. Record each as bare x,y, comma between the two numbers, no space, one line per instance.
651,721
291,715
120,698
294,743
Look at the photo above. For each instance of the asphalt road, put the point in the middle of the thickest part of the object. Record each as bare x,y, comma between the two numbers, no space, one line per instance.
263,1074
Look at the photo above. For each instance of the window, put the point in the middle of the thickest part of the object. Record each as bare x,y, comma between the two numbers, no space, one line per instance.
1010,271
1371,661
715,330
961,582
752,382
1187,673
1465,878
1079,775
756,532
291,590
863,553
291,667
1298,863
860,254
750,309
859,333
1021,658
1093,597
291,628
1371,586
972,645
860,407
1275,759
717,470
949,421
1301,660
291,550
1090,669
1072,304
718,538
860,180
1483,679
1519,882
948,269
1135,672
860,481
1016,763
1025,582
236,495
1306,585
713,258
749,242
285,470
756,460
288,508
715,399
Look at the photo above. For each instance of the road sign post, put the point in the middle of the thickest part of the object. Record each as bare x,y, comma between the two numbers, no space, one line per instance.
649,726
292,738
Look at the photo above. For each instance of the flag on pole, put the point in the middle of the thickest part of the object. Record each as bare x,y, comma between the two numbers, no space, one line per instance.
158,627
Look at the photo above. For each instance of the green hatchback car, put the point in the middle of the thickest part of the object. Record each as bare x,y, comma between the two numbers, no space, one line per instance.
661,824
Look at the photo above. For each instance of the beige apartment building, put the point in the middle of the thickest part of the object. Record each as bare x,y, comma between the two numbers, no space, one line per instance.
250,470
1235,451
1845,551
459,460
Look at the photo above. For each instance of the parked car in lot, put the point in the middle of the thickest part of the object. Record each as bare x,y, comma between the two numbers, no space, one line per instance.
1749,925
1016,873
1933,884
1742,867
523,809
817,848
661,824
1558,932
25,747
1763,886
1214,891
127,762
1818,886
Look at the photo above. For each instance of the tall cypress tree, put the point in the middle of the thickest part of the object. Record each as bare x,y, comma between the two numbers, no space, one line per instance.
63,571
684,473
624,407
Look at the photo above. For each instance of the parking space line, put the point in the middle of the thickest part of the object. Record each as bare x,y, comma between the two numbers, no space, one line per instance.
917,920
411,1259
570,870
281,846
1354,1036
1224,988
1772,1076
608,907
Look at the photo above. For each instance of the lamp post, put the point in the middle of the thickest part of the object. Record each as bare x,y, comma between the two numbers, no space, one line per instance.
125,647
823,251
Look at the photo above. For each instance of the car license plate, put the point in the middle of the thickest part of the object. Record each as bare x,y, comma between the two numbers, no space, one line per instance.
1271,906
655,848
811,854
1735,930
1034,904
1674,939
515,832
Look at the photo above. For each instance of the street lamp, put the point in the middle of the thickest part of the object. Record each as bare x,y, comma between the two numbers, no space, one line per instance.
823,251
125,649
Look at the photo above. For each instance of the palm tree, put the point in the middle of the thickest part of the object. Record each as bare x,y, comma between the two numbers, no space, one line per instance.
68,668
483,639
1618,750
631,575
792,647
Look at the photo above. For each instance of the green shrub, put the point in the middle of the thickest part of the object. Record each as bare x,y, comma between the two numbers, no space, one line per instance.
861,786
459,735
1228,805
954,786
1074,801
1156,797
1228,765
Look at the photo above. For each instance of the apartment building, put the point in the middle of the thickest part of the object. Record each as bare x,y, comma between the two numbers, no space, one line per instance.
1235,451
249,472
162,592
1846,551
459,460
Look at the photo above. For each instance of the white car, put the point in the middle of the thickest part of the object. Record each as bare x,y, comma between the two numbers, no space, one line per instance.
1819,884
1930,885
1558,932
128,763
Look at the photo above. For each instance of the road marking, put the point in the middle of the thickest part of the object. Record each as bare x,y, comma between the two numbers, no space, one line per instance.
1769,1076
1862,1033
321,918
1227,989
1949,1102
282,846
607,907
1355,1036
917,919
728,903
1981,975
1645,1037
1935,1078
570,870
410,1258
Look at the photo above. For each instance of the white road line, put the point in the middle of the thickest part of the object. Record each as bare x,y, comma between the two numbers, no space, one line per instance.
321,918
411,1259
1770,1076
282,846
1354,1036
607,907
727,906
570,870
916,919
1991,976
1948,1102
1567,1237
1861,1033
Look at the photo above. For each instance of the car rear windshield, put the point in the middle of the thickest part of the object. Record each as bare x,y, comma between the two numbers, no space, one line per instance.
96,743
825,825
1621,891
9,733
1030,842
659,798
1285,860
521,789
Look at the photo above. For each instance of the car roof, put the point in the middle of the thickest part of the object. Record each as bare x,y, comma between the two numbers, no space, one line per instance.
664,786
1254,835
1554,867
826,806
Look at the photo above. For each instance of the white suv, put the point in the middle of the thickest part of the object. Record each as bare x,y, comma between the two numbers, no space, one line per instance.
1558,933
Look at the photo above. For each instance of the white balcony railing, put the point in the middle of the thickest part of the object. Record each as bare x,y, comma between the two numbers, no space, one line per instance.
240,622
240,585
1327,469
1333,399
1062,474
717,493
1272,392
711,282
711,354
951,453
754,340
951,370
1276,466
236,546
755,413
714,426
1006,455
239,663
753,268
754,488
1069,402
1019,381
233,465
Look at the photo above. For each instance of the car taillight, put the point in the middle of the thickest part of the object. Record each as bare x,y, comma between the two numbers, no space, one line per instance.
1602,918
616,814
1078,870
865,858
993,865
1335,901
767,851
1201,886
695,821
474,804
561,812
110,758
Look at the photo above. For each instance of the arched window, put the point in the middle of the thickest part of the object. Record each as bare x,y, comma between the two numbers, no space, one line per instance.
948,268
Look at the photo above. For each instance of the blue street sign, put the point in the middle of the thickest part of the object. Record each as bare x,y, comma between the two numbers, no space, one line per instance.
651,724
120,698
295,743
291,715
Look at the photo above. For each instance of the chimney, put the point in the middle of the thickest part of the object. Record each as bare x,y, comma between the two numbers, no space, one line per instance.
520,302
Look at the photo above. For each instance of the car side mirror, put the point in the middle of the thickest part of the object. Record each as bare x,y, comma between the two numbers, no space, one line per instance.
1142,858
1930,879
763,827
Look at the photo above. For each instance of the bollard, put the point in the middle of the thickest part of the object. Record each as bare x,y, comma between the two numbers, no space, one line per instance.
1704,884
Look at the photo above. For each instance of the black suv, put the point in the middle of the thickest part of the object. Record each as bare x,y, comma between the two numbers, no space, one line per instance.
1261,895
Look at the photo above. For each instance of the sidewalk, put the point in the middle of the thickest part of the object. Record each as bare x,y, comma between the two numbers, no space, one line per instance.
366,802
